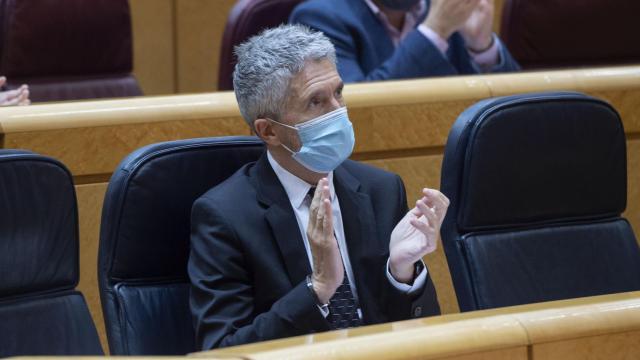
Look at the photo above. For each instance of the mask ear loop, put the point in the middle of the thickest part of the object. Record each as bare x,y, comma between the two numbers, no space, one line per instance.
288,126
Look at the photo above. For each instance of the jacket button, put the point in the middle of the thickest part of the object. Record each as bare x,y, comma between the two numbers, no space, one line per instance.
417,311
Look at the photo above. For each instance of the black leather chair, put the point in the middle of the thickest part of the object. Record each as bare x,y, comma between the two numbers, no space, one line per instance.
144,240
537,184
41,313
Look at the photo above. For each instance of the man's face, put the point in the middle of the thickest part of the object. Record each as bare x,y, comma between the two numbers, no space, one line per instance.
314,91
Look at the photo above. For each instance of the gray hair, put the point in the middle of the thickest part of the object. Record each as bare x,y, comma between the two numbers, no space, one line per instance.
268,61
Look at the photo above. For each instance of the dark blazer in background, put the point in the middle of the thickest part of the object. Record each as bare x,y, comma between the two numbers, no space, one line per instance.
366,53
248,263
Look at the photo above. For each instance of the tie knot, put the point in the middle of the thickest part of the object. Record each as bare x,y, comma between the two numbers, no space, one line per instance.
311,192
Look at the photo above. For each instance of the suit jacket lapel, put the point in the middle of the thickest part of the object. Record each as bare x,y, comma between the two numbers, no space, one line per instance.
359,231
282,220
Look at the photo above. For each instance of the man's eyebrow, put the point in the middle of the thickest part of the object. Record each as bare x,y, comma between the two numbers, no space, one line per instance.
312,94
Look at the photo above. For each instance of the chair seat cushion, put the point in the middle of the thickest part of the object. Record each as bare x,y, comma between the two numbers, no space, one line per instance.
55,324
552,263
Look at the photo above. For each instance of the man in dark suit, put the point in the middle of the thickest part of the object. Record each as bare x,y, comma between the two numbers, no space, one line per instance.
304,240
398,39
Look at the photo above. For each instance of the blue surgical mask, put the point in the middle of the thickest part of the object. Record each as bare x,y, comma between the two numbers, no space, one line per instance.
327,141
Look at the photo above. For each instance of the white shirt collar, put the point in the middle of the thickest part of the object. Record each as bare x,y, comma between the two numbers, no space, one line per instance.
295,187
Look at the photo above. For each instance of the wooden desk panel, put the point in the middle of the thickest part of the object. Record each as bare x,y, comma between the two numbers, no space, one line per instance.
577,328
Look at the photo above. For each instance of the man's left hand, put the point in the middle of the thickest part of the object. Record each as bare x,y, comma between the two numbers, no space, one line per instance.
477,31
416,235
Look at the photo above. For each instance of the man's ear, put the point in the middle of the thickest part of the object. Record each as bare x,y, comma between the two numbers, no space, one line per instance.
264,130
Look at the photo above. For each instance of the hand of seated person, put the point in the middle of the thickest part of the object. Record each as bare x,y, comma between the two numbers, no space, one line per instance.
472,18
448,16
477,31
19,96
328,269
416,235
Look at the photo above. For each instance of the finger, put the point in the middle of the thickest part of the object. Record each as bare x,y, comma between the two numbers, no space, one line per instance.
438,198
314,216
327,228
10,101
428,213
320,212
12,94
415,212
421,226
326,201
3,80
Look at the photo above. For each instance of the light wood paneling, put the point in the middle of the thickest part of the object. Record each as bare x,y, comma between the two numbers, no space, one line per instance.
154,45
518,353
623,346
497,20
567,329
90,198
419,172
199,28
633,185
433,342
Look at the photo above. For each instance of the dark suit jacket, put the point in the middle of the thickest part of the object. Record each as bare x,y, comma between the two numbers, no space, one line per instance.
248,262
365,52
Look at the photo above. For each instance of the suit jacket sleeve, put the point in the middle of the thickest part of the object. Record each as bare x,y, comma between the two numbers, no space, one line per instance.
398,304
415,56
221,298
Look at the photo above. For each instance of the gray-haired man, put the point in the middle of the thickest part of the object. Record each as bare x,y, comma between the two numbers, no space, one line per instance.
304,240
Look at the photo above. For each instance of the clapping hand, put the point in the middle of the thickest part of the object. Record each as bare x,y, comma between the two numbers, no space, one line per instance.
416,235
448,16
328,270
19,96
477,31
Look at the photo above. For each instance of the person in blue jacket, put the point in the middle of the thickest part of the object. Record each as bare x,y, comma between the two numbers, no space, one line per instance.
399,39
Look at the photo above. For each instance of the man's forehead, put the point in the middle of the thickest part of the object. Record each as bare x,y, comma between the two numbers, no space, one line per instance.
313,74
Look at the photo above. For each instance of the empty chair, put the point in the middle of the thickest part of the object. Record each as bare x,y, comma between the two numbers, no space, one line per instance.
67,49
144,240
561,33
41,313
248,18
537,184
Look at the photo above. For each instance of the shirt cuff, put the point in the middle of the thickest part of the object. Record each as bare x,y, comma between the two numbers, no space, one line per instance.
324,310
418,282
436,39
488,58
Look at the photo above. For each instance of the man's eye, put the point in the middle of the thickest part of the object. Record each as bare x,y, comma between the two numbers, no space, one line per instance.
314,102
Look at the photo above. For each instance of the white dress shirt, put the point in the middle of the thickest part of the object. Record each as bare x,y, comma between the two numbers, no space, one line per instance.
297,190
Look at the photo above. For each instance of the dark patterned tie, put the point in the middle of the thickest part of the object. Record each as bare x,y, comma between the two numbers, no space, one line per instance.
343,310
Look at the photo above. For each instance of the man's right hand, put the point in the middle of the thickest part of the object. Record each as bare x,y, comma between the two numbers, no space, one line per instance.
328,270
447,16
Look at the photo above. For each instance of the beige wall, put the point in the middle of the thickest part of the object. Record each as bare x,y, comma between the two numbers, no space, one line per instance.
176,43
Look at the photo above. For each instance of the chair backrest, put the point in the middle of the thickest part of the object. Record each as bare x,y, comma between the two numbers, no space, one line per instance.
537,184
561,33
248,18
144,240
40,312
67,50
